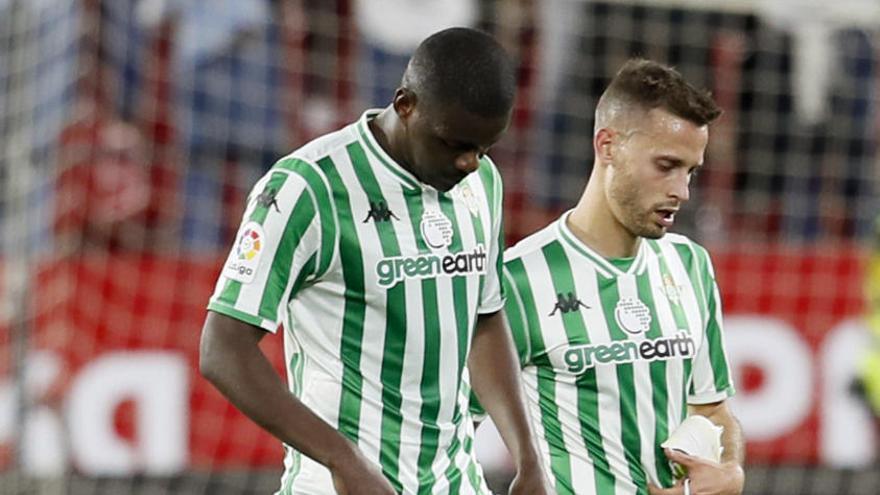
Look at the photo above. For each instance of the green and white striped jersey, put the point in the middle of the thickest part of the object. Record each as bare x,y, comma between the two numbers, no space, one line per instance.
378,280
612,352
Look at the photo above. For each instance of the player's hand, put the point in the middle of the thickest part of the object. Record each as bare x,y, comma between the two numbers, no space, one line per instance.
360,477
705,477
530,481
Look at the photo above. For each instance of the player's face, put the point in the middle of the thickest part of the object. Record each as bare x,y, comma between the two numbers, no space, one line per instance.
445,143
651,173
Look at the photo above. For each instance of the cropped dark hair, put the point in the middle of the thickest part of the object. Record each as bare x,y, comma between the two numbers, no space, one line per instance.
650,85
463,66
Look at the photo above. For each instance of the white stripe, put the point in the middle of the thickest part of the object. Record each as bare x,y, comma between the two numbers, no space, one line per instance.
582,470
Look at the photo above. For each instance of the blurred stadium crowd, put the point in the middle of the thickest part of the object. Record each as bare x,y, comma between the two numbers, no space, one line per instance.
166,111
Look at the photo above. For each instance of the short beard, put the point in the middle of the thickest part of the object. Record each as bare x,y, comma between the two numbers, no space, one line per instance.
634,221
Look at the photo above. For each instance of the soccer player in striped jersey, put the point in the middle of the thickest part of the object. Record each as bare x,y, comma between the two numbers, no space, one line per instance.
378,249
617,323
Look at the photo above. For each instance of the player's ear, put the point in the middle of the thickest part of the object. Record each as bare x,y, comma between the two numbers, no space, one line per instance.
603,145
404,102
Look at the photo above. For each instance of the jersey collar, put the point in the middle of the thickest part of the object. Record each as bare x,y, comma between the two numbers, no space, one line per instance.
393,168
603,266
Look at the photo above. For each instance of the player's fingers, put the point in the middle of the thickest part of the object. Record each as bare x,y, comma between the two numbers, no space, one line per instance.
656,490
680,457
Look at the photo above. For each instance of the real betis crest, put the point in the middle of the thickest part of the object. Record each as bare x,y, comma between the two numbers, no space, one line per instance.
467,196
671,289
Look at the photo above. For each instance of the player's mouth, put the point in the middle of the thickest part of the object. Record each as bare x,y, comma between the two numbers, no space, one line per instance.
666,216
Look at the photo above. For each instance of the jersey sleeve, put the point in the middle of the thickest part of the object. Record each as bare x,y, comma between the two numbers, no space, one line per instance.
492,297
516,319
711,380
282,243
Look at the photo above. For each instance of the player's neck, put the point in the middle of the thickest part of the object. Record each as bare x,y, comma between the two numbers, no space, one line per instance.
593,223
385,127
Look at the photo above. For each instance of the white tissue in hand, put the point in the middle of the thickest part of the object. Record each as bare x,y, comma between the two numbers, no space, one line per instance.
698,437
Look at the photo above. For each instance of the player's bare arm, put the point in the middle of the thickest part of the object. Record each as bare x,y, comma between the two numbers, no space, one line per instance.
705,476
494,372
229,357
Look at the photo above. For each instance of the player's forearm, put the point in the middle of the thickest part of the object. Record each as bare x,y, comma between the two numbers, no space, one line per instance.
231,360
494,372
732,438
732,441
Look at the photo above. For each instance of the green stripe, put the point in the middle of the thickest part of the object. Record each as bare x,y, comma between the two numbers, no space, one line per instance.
560,464
713,326
453,473
290,475
494,187
472,474
487,177
296,365
297,223
684,255
325,206
587,386
275,183
609,295
716,346
308,268
688,259
230,292
354,308
696,260
659,388
499,261
463,323
429,389
394,346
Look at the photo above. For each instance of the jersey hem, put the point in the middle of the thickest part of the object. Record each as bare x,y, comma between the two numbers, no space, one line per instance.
701,399
241,315
485,310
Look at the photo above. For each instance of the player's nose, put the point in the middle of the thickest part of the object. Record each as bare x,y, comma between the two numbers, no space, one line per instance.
681,188
468,161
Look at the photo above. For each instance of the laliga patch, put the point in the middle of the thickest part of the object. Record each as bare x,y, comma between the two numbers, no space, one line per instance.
245,256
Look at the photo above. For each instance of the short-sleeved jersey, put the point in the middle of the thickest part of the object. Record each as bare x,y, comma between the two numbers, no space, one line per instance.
378,281
612,352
